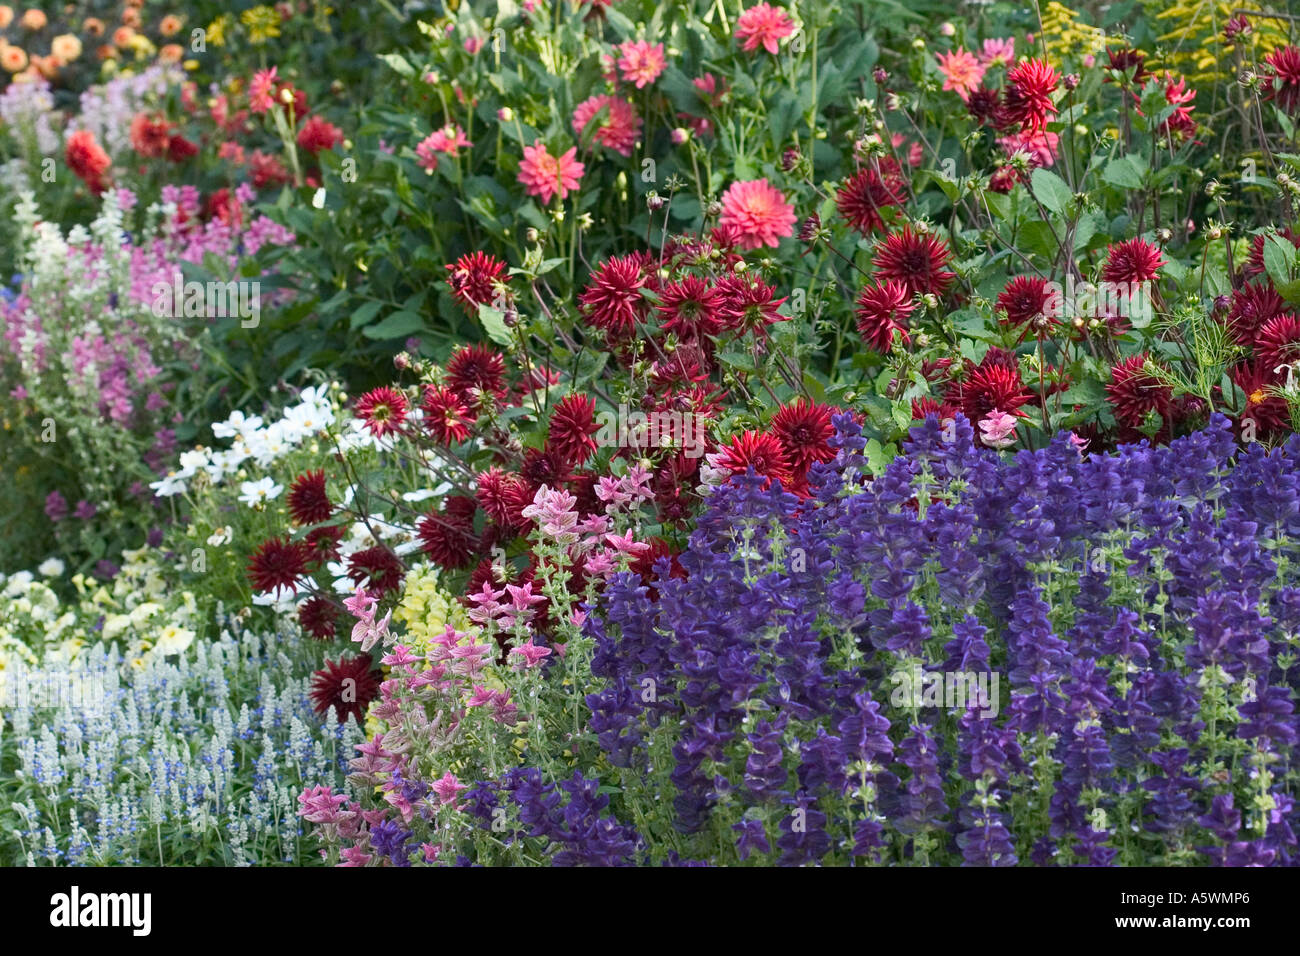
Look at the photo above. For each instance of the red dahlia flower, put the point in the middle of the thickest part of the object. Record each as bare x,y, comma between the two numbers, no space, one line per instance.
1027,303
476,278
1278,341
612,300
150,134
1270,412
1132,262
1255,264
1251,309
278,563
446,415
915,259
883,309
868,191
804,429
348,685
377,568
690,308
318,134
993,384
383,410
475,371
503,495
749,304
572,425
448,537
180,149
1135,391
1028,94
1285,88
758,450
87,160
307,500
318,617
1129,61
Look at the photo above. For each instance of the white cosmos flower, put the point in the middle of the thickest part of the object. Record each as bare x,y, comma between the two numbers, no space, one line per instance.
50,567
256,494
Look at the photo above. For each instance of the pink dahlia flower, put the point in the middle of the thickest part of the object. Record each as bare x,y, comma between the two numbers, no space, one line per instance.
758,212
763,25
544,175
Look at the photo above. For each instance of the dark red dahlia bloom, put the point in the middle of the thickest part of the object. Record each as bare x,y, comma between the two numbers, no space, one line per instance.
1027,302
348,685
749,304
1132,261
318,617
446,416
1285,90
645,562
758,450
1255,264
307,499
448,537
883,309
985,106
1131,63
378,568
180,149
318,134
690,308
383,410
993,384
804,429
477,278
868,191
572,425
475,372
916,260
323,542
687,366
1269,411
278,563
1028,95
612,300
503,495
1278,341
544,466
1135,391
922,407
1251,309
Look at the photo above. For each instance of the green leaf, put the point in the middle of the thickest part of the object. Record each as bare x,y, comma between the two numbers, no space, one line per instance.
1279,260
494,324
396,326
398,63
1126,172
364,314
1050,190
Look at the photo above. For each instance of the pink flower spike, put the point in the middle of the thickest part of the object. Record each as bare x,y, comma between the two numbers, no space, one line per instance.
998,429
523,597
481,697
532,654
447,787
362,604
626,543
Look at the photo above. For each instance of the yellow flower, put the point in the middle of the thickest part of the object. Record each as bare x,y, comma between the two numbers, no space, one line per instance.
216,31
263,23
